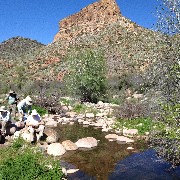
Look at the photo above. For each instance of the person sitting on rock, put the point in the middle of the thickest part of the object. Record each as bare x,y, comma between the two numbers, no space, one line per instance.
35,126
5,119
12,100
24,108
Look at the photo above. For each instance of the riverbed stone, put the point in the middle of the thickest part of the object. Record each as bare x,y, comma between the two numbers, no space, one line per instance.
50,117
86,122
105,129
100,104
51,135
130,148
98,124
51,123
71,123
100,114
124,140
89,115
71,114
80,120
71,171
130,131
69,145
111,136
56,149
88,142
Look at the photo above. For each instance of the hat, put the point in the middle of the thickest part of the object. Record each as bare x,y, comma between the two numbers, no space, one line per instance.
11,92
3,109
28,100
34,112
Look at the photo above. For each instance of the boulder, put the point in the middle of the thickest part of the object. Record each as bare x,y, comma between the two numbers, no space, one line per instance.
69,145
89,115
124,140
130,148
100,103
111,136
56,149
51,135
88,142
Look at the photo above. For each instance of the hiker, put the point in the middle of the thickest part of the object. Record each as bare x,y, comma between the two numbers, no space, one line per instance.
5,119
24,108
12,100
35,126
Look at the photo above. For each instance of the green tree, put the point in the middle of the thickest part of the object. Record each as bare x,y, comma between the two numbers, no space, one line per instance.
86,77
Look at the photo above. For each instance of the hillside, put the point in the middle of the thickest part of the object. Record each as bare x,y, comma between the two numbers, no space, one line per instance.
124,50
16,53
127,47
101,26
17,47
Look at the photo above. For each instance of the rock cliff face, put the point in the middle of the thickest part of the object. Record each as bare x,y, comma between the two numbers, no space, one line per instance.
90,19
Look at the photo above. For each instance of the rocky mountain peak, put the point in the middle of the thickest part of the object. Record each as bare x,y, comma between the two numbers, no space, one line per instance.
89,20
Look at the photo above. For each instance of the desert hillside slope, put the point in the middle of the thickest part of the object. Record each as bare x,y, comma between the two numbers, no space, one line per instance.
127,47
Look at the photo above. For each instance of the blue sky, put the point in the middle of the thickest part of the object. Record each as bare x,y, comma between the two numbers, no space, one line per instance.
38,19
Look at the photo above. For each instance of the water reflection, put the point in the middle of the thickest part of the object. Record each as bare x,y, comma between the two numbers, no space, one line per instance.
146,166
99,162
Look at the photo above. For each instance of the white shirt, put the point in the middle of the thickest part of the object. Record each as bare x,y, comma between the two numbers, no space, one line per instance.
5,116
34,120
22,106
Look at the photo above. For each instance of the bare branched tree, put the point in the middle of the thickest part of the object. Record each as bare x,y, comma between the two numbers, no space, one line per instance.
167,76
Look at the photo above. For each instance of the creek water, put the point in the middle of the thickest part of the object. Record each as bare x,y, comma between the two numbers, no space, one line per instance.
110,160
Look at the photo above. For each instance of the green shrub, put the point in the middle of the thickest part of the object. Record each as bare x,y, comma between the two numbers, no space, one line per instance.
67,101
166,141
41,111
142,124
17,143
27,163
86,77
79,108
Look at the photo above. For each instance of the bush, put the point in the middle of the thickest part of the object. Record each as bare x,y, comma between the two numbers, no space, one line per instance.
27,163
132,110
79,108
17,144
166,80
47,98
167,141
86,78
41,111
142,124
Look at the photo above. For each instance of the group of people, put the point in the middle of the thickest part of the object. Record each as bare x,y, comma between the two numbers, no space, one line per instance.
31,118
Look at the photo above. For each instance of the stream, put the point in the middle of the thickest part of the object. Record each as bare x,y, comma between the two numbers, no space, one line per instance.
110,160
